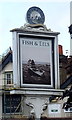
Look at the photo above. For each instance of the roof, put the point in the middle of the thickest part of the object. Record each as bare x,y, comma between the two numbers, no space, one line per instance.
70,29
67,82
6,59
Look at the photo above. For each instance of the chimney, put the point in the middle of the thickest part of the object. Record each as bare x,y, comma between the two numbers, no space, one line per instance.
60,49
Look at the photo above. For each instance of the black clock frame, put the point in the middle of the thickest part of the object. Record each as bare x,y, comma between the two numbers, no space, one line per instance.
37,9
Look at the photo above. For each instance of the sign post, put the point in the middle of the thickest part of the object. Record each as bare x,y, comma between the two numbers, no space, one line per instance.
35,63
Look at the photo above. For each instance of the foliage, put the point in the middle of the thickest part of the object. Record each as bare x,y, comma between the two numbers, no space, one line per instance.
68,103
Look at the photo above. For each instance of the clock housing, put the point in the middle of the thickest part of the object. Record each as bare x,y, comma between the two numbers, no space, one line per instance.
35,16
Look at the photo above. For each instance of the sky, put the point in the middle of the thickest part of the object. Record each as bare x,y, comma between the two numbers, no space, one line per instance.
13,15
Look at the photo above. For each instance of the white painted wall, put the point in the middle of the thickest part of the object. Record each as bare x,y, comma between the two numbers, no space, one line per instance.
8,67
54,110
1,80
0,107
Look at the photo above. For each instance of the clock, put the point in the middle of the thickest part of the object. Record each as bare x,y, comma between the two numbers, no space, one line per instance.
35,16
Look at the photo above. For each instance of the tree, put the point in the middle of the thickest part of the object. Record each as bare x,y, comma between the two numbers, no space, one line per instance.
68,103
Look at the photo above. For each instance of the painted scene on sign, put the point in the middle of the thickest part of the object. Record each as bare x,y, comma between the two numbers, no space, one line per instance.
36,73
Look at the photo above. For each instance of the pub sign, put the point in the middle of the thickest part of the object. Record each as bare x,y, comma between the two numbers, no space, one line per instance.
35,59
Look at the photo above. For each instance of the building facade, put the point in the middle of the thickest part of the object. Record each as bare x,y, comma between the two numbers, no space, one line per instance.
12,104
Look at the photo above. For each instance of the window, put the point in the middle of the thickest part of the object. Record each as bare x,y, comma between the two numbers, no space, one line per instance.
11,103
8,78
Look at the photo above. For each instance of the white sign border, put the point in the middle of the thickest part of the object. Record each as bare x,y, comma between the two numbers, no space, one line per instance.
52,75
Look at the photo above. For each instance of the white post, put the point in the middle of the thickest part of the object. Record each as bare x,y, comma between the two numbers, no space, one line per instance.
38,104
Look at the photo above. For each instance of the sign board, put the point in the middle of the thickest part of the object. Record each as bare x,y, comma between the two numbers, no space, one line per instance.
35,59
68,110
54,108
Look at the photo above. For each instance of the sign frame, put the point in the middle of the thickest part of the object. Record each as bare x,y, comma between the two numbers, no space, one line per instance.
17,62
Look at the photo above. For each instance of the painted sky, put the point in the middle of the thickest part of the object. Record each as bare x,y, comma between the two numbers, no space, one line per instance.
13,15
37,51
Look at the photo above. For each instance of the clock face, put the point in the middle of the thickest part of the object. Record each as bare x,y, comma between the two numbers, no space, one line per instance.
35,16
